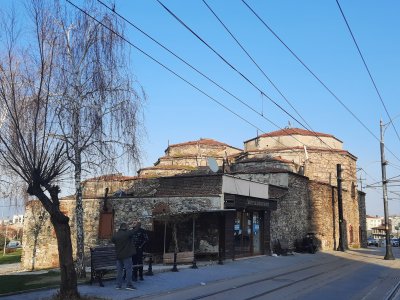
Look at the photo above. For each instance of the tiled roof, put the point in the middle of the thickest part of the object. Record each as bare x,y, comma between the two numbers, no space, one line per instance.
262,159
169,167
294,131
204,141
309,149
111,177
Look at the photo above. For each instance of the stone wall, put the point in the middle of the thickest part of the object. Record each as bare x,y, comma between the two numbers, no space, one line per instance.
125,210
321,166
293,140
291,219
363,220
325,216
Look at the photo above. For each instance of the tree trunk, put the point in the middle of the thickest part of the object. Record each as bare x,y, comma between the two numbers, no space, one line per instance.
80,234
68,287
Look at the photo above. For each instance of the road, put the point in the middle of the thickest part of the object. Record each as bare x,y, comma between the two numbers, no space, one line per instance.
361,274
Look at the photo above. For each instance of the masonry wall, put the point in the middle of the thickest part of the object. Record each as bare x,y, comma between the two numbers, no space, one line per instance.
291,219
325,216
363,220
321,166
40,249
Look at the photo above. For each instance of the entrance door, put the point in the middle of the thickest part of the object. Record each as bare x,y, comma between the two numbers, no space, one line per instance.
256,233
247,234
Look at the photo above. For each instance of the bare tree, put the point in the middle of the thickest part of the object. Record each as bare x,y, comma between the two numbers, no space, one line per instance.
26,145
98,113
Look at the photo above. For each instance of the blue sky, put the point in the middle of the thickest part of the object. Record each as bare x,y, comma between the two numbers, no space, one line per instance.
315,30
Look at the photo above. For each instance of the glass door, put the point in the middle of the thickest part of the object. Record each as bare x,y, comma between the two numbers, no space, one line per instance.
243,233
256,233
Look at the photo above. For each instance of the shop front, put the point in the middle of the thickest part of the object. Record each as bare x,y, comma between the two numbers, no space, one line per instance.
251,225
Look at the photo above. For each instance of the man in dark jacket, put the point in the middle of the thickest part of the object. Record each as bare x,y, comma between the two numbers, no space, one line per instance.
124,250
140,238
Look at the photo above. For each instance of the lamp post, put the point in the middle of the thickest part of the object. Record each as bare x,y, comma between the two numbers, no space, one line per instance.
389,253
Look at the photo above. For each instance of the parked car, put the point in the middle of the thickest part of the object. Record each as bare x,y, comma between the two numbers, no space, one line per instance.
14,244
395,242
372,242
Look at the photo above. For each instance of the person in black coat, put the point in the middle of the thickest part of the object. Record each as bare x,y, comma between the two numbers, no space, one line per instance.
124,249
140,238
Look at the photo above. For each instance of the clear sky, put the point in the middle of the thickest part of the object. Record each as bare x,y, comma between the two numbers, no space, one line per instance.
315,31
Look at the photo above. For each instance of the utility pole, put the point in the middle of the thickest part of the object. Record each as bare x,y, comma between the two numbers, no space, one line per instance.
389,254
340,207
5,240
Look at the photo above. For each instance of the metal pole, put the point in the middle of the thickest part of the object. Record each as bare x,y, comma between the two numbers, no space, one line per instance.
5,241
389,254
340,207
194,264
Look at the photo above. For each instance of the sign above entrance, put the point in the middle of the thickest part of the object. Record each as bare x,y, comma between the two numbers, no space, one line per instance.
244,187
243,202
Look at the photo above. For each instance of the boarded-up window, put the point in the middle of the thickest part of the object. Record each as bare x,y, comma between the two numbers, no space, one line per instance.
106,226
353,190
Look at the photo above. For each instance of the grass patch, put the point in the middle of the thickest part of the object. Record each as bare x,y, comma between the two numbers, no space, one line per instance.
12,257
21,282
31,281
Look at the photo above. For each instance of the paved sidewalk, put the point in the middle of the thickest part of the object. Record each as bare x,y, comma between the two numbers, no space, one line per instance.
8,268
164,280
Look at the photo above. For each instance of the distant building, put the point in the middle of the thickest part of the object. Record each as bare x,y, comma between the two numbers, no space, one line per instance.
379,233
373,222
18,219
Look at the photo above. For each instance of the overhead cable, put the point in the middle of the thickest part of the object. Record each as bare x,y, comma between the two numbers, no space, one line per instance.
366,67
315,76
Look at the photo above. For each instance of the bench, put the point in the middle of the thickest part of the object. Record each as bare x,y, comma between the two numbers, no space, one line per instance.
102,260
306,246
181,257
283,247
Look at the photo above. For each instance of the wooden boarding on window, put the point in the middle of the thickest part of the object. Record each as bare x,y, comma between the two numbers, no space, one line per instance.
106,225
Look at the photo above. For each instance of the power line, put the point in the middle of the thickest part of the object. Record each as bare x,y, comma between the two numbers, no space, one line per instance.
162,65
202,74
265,75
255,63
314,75
366,67
199,72
229,64
215,83
232,67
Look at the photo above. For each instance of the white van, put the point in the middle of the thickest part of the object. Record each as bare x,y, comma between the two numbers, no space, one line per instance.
14,244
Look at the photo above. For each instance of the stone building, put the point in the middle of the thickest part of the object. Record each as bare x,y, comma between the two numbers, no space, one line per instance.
281,186
185,157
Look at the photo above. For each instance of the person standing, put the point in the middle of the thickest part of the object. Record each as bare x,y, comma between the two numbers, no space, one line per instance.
124,249
140,238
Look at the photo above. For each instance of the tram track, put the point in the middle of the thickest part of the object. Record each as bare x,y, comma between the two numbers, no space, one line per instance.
273,278
297,281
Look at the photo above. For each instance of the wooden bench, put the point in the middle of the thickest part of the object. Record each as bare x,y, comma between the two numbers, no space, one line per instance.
181,257
284,248
102,260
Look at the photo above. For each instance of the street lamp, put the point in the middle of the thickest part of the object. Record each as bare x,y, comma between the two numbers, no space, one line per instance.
389,253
